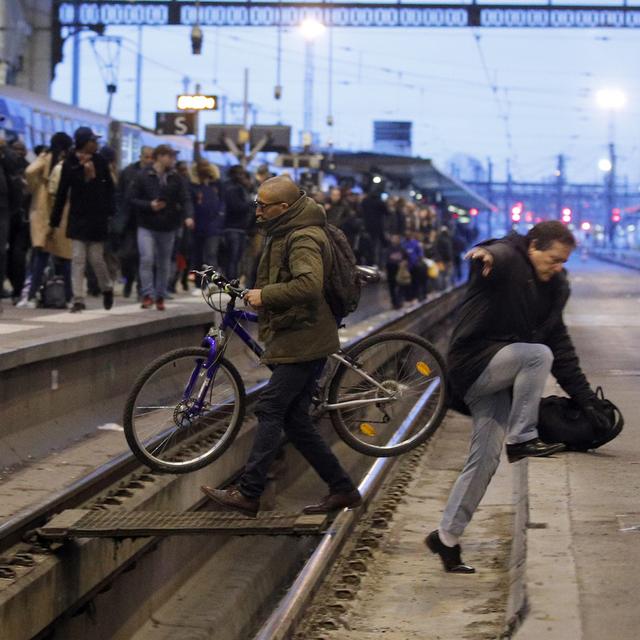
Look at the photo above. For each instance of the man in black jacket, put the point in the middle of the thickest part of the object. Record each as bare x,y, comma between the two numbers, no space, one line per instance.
163,204
125,222
509,336
86,180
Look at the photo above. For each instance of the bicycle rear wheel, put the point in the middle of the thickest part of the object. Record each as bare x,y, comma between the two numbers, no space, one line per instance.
393,398
171,432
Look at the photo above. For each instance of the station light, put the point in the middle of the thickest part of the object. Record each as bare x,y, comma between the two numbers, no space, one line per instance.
604,164
376,179
586,226
196,40
516,212
473,211
528,216
312,29
566,215
197,102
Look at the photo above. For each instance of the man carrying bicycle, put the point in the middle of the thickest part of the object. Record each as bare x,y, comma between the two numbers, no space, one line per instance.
299,332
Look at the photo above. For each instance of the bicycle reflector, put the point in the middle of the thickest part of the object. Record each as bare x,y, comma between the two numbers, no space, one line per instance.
367,429
423,368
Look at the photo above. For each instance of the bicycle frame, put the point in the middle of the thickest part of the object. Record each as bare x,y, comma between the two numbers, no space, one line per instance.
231,323
215,341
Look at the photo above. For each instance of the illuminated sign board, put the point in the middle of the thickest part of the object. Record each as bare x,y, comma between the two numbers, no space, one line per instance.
197,102
344,14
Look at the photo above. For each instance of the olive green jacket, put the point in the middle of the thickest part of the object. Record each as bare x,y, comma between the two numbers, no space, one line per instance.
295,322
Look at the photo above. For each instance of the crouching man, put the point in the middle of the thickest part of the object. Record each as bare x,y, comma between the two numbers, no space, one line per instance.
509,336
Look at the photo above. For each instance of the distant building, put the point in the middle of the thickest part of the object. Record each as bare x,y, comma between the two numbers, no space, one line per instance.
392,137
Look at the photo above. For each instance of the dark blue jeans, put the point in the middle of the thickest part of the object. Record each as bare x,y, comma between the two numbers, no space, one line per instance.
284,406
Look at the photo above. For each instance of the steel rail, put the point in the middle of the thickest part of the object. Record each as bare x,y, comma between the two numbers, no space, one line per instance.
291,608
13,530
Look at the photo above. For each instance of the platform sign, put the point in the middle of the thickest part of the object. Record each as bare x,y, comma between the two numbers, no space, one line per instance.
197,102
175,124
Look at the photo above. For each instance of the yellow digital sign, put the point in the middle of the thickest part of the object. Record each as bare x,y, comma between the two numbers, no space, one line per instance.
197,102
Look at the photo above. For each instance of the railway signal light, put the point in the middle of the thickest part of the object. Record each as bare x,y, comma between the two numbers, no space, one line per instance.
615,215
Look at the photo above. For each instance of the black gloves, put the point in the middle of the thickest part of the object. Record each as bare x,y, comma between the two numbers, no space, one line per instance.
594,412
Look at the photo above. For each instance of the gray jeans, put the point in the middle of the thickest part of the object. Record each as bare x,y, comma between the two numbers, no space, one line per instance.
94,251
504,402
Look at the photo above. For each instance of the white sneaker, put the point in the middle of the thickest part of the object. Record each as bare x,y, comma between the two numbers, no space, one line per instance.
27,303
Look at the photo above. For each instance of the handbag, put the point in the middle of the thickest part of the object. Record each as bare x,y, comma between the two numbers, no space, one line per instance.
562,420
403,277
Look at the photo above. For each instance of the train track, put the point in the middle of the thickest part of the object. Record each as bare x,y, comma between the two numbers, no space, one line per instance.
122,483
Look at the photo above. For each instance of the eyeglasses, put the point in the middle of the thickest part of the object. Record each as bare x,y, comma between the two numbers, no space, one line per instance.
263,205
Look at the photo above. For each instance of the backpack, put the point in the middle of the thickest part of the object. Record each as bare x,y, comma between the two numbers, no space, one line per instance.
562,420
52,291
341,285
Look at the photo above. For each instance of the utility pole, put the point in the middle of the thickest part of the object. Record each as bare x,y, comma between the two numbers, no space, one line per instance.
138,116
560,182
489,196
610,197
509,197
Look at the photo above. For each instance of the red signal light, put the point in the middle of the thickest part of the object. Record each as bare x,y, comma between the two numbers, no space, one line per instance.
473,212
615,215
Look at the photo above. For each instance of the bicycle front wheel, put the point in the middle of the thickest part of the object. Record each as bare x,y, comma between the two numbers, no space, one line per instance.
392,397
176,418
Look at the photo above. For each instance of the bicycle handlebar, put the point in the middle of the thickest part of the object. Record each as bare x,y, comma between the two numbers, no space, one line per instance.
215,277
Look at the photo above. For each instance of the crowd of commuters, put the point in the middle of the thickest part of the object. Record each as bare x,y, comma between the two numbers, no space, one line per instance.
70,214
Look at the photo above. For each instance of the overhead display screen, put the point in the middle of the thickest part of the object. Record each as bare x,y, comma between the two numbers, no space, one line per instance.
343,14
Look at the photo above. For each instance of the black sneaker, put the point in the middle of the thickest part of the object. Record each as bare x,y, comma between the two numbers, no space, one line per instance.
450,556
77,307
532,449
107,299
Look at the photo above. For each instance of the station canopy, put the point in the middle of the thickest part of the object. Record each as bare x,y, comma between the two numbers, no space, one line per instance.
405,171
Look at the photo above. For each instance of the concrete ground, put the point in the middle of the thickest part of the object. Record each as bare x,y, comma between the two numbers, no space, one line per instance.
584,549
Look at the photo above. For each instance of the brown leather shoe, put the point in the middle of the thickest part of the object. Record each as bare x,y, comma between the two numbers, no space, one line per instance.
335,502
160,304
147,302
232,500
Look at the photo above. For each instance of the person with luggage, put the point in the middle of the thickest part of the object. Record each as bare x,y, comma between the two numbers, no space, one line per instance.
509,336
44,243
300,330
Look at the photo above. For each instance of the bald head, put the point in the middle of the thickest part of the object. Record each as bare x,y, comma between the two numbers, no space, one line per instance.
279,189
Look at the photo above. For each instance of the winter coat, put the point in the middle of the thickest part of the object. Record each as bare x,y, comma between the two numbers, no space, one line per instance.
91,201
58,243
296,323
172,188
508,306
125,218
208,205
374,214
338,213
9,196
240,214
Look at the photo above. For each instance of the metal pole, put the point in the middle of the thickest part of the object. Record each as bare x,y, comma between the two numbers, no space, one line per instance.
138,116
75,69
308,88
560,186
611,193
489,196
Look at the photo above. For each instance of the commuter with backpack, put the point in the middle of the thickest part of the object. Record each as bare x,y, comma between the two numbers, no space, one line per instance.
299,287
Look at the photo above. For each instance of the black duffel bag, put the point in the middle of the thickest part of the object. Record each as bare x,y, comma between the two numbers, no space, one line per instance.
562,420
